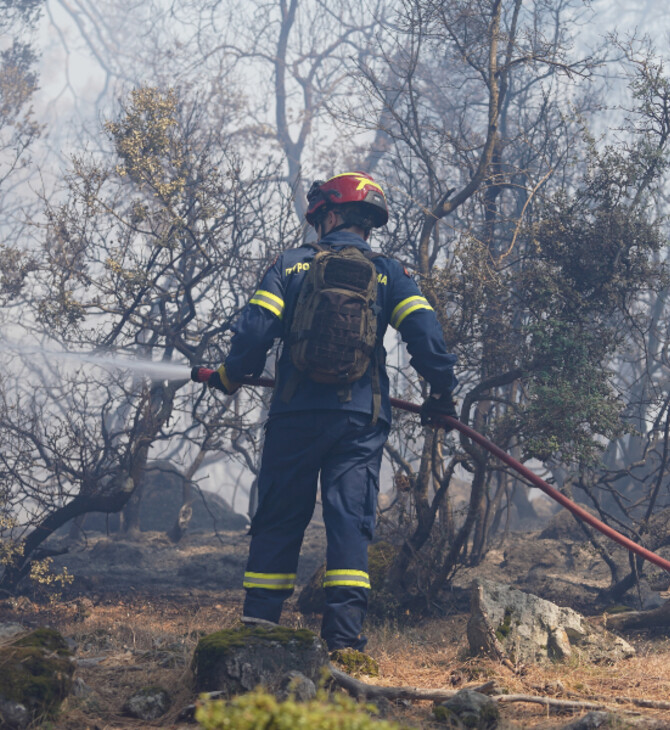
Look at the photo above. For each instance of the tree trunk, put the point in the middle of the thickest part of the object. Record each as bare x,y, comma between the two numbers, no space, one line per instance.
180,525
80,505
656,618
130,517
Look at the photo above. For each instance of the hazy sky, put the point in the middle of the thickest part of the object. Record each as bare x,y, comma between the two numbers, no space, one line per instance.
73,78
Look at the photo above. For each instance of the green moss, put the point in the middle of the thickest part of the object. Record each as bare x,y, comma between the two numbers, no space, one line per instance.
505,628
220,643
617,608
355,662
442,714
47,639
36,671
262,710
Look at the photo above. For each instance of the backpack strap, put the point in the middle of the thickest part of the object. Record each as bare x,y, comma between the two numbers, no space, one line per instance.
318,247
289,388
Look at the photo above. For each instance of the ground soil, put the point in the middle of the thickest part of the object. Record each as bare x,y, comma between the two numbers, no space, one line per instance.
136,610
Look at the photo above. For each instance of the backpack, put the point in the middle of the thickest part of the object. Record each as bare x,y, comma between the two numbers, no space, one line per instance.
332,337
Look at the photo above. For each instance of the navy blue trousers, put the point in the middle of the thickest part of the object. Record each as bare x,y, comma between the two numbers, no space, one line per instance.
345,449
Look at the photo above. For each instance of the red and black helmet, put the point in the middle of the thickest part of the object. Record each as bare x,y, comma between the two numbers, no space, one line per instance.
354,190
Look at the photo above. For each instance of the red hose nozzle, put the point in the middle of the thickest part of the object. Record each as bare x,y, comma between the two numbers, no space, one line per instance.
200,375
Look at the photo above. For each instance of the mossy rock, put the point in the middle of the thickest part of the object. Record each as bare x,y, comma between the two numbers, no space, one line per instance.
468,709
36,673
238,660
355,662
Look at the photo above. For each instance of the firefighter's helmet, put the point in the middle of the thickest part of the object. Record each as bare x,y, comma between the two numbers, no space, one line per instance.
356,195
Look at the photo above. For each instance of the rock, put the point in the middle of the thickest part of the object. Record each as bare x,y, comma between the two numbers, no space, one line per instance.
160,504
148,704
80,688
238,660
644,596
297,686
35,677
355,662
13,715
84,697
9,629
564,526
590,721
508,624
469,709
599,720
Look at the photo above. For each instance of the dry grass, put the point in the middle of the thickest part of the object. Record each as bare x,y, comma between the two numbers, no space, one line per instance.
126,644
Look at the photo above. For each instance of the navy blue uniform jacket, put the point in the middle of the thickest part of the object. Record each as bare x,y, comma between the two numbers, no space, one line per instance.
268,314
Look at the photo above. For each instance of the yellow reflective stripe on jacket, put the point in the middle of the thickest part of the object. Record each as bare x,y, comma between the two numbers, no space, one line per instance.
407,306
346,578
273,581
270,301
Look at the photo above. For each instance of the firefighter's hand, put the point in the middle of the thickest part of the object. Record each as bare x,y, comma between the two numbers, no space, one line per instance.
199,374
434,408
219,380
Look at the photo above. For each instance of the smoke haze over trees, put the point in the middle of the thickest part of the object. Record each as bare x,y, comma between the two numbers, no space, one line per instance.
524,158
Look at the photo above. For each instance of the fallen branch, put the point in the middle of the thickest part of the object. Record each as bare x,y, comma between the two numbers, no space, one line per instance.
583,704
641,702
552,703
657,617
362,690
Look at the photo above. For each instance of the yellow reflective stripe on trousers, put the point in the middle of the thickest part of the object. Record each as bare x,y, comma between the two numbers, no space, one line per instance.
407,306
357,578
272,581
270,301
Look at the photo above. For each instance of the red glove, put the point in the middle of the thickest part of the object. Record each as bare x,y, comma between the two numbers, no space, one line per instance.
214,379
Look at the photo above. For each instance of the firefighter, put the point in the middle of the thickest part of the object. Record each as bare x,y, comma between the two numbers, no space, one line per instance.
328,430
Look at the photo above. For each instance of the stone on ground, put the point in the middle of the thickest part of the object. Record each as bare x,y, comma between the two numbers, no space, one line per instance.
469,709
599,720
35,677
355,662
295,685
238,660
508,624
148,703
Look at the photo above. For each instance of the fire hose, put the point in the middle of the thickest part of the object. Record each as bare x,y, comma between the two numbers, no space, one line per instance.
533,478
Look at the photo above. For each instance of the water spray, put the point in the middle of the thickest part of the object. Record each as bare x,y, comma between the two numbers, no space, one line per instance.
148,368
